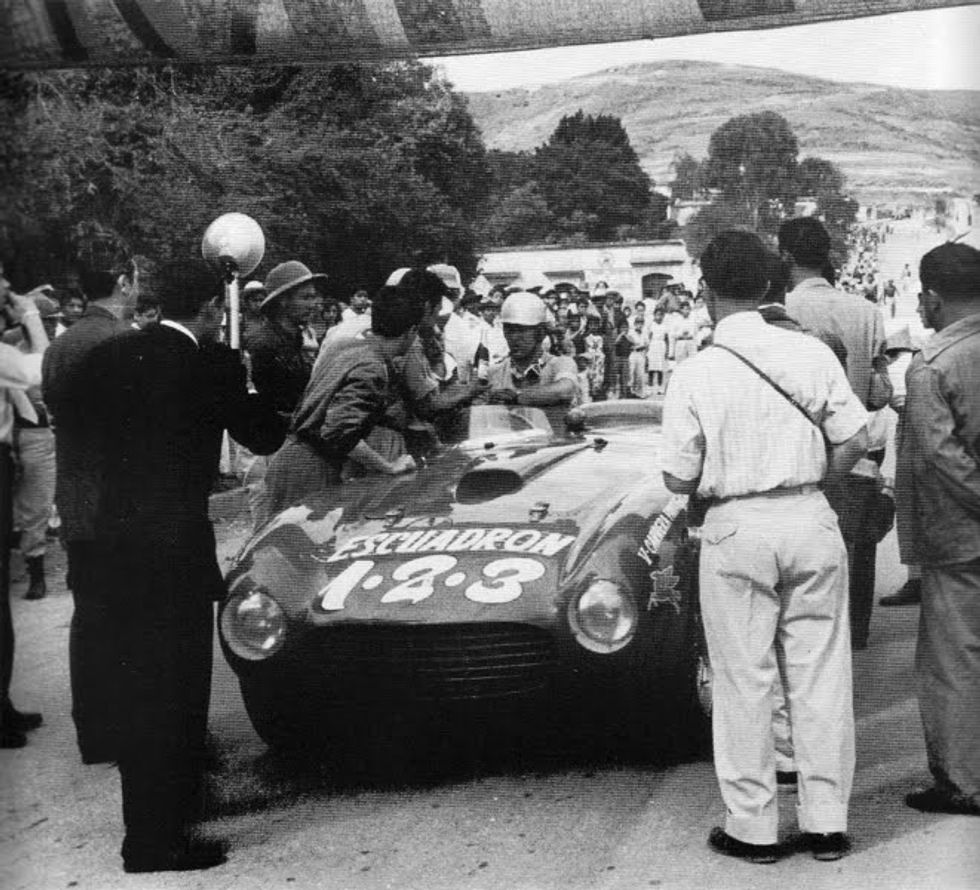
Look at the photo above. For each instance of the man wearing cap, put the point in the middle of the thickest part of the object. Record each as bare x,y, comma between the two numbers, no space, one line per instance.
253,295
529,375
431,377
112,291
462,332
900,350
280,365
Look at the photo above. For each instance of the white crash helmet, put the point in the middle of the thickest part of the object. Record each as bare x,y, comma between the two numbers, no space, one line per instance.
525,309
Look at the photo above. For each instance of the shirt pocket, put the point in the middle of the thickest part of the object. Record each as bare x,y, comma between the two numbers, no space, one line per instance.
716,532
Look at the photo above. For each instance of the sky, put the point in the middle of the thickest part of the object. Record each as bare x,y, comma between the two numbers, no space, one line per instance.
934,49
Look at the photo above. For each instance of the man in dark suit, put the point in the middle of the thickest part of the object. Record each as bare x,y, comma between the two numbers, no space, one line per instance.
162,399
112,289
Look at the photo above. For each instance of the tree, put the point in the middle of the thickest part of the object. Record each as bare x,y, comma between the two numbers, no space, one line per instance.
817,177
711,221
688,177
355,170
520,217
752,160
591,178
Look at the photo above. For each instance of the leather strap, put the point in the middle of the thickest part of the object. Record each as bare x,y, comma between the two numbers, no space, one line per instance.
789,398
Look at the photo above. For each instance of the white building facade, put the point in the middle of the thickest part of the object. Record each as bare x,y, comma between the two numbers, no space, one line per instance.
637,269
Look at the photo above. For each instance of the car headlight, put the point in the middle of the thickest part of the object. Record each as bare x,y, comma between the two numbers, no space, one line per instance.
253,625
604,617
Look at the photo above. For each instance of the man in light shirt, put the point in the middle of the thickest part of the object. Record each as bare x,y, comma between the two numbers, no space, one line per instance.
18,371
772,555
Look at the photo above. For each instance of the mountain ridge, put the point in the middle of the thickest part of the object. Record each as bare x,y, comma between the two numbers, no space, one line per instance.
888,140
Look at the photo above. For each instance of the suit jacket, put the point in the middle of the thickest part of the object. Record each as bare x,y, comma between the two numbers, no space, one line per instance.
161,405
65,386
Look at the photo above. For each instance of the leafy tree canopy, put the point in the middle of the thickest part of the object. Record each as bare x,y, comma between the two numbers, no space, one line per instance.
584,184
354,170
752,159
752,166
591,177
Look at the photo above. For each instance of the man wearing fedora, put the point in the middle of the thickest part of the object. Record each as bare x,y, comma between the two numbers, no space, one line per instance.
280,365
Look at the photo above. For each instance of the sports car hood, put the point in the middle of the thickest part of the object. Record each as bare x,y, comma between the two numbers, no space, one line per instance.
465,539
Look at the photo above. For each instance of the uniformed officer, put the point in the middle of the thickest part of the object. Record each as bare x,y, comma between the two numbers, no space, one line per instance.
773,562
529,375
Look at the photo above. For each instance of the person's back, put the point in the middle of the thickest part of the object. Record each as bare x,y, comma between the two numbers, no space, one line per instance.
772,566
825,311
65,384
167,425
831,314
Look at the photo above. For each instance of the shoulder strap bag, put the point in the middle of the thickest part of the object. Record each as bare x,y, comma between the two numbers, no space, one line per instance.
865,506
786,395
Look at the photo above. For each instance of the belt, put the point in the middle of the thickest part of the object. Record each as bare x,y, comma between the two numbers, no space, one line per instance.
808,488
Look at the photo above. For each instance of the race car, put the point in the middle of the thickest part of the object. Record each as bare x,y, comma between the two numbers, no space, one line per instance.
523,565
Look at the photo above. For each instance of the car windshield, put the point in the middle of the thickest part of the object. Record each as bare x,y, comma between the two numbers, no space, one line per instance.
481,425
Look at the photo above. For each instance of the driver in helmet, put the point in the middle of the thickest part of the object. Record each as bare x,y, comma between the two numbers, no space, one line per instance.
529,375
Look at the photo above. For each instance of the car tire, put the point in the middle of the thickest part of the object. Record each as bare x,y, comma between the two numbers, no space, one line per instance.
671,721
278,722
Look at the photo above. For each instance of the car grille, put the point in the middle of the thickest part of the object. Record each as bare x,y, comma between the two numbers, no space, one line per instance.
435,662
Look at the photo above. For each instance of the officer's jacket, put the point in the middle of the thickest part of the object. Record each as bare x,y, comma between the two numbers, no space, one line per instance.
938,465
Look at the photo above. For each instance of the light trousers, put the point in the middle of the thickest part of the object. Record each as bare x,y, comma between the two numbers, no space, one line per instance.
33,487
774,605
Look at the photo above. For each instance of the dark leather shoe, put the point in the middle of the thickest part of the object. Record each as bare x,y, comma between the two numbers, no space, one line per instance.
828,847
932,800
196,856
94,758
760,854
23,721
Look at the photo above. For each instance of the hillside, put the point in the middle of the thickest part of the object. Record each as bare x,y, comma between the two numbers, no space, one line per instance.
887,141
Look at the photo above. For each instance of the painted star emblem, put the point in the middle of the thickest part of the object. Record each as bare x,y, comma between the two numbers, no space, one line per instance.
663,589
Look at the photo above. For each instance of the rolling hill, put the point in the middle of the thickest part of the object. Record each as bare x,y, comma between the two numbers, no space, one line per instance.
891,143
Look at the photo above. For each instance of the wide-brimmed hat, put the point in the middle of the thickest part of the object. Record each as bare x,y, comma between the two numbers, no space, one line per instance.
285,277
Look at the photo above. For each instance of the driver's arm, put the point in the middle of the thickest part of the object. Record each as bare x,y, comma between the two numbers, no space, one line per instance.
557,393
560,391
456,395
